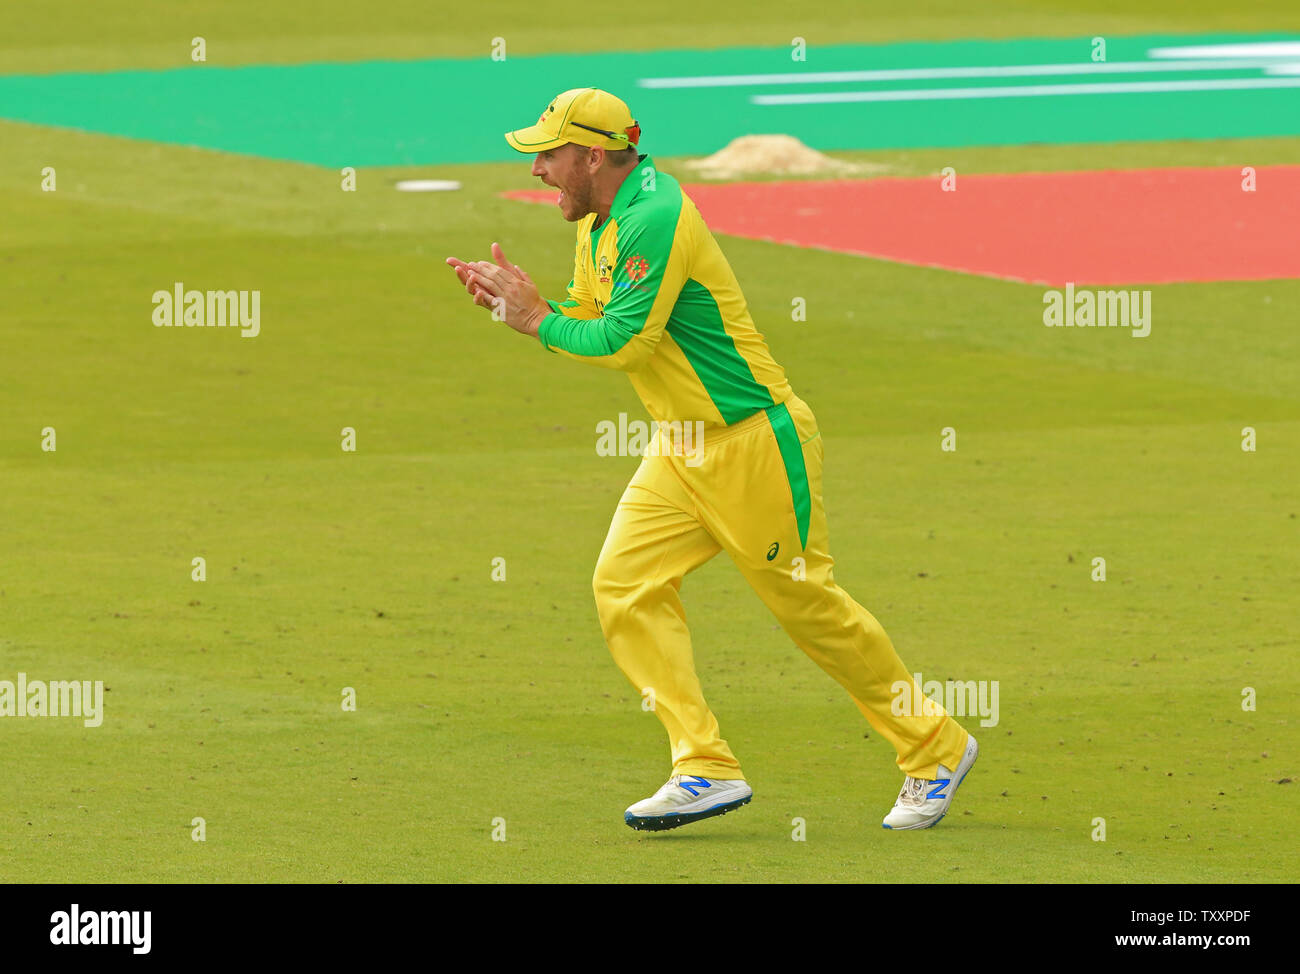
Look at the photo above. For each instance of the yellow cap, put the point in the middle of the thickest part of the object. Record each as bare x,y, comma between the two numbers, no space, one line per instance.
587,116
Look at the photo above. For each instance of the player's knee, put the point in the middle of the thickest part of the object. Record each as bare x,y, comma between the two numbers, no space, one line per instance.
619,591
608,584
600,578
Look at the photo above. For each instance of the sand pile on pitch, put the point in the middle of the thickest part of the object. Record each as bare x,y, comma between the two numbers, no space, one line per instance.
778,155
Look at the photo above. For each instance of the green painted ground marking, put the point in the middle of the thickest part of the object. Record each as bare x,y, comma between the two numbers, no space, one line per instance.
383,113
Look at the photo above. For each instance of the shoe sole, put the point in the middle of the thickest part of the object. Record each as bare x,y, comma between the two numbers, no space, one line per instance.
952,793
662,823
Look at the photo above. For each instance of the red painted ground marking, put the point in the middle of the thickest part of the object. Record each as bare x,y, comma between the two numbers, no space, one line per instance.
1139,226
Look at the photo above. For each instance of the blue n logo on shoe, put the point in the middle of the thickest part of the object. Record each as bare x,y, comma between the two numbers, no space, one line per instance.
939,785
690,784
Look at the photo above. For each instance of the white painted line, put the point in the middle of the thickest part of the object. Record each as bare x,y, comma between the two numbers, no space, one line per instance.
427,185
988,71
1025,91
1256,49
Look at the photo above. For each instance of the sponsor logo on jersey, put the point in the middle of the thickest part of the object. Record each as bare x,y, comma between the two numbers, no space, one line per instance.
636,267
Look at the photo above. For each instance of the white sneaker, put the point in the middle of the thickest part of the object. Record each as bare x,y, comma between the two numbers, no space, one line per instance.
922,803
685,799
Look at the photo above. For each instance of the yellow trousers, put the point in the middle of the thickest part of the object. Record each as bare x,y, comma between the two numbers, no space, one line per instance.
754,490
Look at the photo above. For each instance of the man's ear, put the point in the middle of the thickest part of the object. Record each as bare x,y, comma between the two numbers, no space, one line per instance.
595,157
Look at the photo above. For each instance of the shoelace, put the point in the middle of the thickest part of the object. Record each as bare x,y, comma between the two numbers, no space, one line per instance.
672,787
913,792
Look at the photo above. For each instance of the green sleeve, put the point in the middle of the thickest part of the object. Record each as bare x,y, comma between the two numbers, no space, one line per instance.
574,301
648,277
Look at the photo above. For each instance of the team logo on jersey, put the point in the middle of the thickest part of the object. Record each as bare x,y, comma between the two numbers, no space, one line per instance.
605,268
636,267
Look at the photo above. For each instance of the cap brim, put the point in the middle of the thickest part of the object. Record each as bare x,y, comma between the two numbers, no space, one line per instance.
533,139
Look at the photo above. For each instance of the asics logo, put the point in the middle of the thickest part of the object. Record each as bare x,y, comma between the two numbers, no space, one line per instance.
771,552
939,785
690,784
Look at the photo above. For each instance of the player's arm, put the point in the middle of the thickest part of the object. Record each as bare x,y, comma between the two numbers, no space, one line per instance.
651,269
574,306
580,303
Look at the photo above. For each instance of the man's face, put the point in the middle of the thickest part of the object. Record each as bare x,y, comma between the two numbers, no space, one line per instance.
566,169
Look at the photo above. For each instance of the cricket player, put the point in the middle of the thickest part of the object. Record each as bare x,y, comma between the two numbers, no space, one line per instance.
735,464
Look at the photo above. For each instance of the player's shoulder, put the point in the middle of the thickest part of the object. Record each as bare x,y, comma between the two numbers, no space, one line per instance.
658,203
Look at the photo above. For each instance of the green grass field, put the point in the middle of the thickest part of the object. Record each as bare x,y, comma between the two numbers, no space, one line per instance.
480,700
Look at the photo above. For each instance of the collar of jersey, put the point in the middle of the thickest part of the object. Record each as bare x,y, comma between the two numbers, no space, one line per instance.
627,191
630,188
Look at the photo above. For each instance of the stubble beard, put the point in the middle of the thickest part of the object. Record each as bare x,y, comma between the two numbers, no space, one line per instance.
578,202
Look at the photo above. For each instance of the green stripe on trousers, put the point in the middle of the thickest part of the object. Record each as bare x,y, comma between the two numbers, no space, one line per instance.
787,438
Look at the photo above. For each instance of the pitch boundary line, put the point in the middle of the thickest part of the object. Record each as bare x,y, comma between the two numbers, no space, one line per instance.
996,71
1025,91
